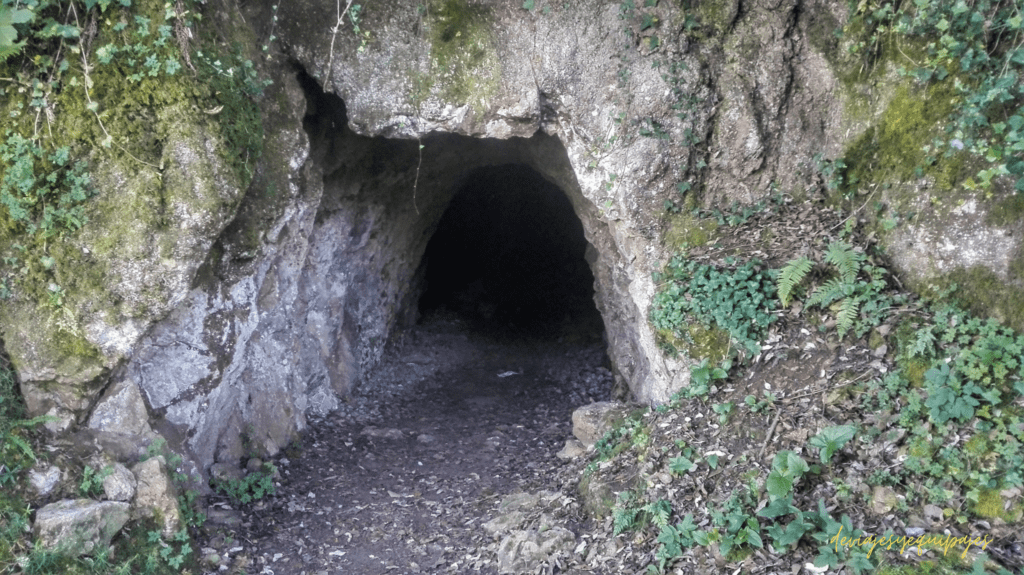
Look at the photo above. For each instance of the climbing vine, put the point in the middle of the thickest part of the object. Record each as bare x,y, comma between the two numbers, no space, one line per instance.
979,47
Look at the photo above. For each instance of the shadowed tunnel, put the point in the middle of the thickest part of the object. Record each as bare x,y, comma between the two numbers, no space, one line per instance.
509,255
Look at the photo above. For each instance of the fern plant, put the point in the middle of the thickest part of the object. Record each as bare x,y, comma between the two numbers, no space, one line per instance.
791,276
853,292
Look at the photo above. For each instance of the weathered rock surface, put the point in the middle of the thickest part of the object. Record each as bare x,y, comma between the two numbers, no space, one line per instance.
573,448
156,494
122,411
525,551
80,526
44,480
591,422
529,537
120,484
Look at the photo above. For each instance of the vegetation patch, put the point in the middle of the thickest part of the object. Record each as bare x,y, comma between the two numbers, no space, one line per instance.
974,49
104,84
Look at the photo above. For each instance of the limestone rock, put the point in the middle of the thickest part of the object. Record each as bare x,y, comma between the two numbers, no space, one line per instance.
211,337
573,448
120,484
513,512
226,472
44,481
156,494
80,526
591,422
524,551
122,410
883,500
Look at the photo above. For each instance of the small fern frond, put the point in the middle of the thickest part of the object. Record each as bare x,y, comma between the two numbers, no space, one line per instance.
845,259
21,444
924,343
847,314
9,50
828,292
791,275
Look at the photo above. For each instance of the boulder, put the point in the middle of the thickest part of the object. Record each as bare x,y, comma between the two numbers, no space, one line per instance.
120,484
156,495
44,481
591,422
79,526
573,448
122,411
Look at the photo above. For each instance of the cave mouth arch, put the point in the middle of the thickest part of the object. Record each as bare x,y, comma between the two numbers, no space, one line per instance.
509,257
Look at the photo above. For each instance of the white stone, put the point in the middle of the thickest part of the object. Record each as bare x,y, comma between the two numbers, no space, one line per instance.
79,526
44,481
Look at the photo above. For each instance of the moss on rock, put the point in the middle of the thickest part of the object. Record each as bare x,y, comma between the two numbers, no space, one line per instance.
984,294
686,230
464,65
892,150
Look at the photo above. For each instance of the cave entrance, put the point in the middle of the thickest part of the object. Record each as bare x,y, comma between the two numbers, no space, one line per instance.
508,256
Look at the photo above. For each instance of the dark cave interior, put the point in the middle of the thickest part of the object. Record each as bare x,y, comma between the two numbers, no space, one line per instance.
509,255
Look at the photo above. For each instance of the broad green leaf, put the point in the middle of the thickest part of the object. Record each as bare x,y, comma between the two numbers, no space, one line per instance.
778,485
779,507
8,18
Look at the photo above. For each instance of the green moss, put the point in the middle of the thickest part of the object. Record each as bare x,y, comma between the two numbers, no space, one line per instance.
892,149
977,446
701,342
982,292
598,499
76,346
464,65
822,28
711,343
686,230
990,504
1007,211
715,16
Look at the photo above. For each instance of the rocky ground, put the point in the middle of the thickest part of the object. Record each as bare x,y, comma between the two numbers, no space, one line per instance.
403,478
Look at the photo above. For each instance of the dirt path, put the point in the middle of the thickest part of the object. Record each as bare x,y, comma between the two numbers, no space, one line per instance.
401,480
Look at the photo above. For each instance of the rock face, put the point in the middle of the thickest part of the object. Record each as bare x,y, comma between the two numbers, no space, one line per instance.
120,485
44,480
231,314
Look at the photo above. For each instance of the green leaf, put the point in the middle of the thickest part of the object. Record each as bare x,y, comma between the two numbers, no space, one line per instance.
8,18
681,465
528,4
793,532
753,538
778,485
779,507
832,439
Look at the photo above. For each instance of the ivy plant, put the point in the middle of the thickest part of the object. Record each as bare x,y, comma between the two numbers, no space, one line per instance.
737,298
